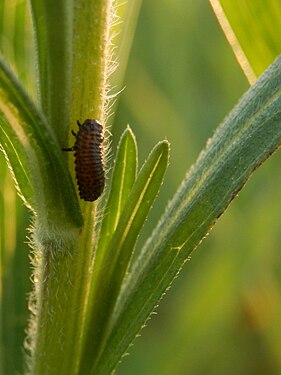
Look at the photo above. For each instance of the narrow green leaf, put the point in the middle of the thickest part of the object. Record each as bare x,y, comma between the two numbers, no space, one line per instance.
122,180
248,136
21,42
108,278
36,159
17,161
52,21
252,29
2,9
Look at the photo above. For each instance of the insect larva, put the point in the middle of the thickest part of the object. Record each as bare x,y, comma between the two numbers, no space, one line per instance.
89,159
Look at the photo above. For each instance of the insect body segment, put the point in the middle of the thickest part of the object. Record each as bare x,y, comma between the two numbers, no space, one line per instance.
89,159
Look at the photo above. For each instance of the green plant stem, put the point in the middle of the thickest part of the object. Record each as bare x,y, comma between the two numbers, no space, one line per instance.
91,60
91,63
63,280
63,274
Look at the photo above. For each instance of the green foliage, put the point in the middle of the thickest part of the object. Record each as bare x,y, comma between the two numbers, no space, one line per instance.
111,265
246,138
252,29
94,287
53,42
30,146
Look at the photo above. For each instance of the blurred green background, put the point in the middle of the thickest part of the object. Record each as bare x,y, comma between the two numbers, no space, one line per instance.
223,313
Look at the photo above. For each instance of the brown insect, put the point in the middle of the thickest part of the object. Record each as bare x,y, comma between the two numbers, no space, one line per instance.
89,159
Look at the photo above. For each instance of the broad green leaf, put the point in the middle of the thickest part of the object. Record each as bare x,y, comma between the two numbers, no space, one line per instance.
109,277
122,180
248,136
252,28
38,163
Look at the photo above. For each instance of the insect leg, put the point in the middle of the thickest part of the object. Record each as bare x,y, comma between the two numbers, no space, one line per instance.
69,149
